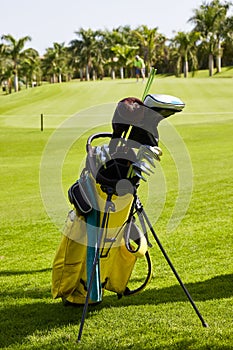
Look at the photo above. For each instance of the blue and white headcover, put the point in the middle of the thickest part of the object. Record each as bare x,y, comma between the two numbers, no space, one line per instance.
159,101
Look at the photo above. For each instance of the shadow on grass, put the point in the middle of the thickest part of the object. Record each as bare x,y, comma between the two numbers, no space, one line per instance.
217,287
21,320
24,272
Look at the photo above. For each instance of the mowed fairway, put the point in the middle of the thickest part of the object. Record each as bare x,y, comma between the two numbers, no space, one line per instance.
200,245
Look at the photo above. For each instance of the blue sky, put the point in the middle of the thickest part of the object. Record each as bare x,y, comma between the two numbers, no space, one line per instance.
49,21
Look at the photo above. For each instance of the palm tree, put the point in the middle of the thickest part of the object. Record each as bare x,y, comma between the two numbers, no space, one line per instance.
88,48
119,49
98,59
55,61
150,42
3,63
186,46
209,20
111,39
30,68
125,56
15,51
59,59
47,65
228,41
77,62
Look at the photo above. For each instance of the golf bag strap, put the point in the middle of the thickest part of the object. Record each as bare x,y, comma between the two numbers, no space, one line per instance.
139,238
128,292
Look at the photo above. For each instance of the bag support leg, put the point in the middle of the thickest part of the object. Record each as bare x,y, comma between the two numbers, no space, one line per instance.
139,208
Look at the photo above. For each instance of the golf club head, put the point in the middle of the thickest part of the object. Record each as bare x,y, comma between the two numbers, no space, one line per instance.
146,166
140,167
155,152
166,105
105,151
139,175
149,160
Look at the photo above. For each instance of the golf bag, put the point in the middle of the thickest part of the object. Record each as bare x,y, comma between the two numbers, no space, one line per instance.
106,231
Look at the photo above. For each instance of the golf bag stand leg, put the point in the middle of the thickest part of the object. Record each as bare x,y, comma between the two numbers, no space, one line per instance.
141,211
108,207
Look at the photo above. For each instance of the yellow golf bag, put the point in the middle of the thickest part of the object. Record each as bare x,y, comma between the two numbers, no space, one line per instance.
102,239
106,231
74,259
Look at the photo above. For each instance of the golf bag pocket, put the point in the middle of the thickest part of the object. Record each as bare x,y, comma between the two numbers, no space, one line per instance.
78,196
68,271
69,261
117,268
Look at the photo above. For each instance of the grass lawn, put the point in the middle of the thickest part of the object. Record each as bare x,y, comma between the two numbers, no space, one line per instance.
191,192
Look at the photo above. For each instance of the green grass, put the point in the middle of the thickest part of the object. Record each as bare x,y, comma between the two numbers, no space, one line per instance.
200,247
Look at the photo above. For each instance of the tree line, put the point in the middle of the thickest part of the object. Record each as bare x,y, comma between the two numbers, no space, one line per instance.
95,54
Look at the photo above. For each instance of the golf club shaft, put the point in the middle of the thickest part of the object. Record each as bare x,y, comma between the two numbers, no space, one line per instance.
149,82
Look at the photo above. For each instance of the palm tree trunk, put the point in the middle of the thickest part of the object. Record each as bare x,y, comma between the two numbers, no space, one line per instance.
218,58
113,75
211,64
16,82
81,74
53,78
186,69
9,85
179,67
87,73
122,72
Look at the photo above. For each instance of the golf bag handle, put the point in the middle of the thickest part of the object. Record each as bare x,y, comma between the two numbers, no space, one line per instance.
89,148
93,137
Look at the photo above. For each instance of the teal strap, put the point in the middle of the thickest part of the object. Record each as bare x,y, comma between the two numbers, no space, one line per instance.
93,223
